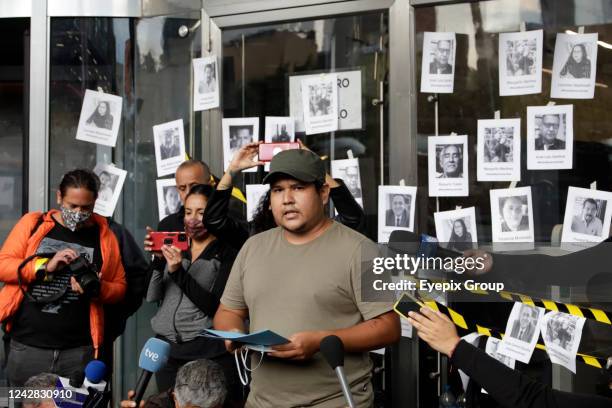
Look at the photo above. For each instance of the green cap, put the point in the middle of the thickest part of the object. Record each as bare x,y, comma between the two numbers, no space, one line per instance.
300,164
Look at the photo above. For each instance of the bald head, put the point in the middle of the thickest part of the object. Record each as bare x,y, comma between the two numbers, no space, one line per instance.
190,173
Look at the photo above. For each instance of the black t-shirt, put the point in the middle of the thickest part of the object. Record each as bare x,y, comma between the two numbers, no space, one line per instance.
63,323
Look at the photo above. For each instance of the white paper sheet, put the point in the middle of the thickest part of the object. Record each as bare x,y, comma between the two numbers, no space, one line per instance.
100,118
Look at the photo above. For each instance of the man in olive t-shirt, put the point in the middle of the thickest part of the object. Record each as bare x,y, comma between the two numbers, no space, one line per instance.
303,280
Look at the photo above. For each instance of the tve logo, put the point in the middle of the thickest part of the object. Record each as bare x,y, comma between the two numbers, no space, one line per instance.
151,354
154,355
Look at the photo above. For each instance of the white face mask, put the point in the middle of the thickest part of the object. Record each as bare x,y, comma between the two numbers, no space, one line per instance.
241,355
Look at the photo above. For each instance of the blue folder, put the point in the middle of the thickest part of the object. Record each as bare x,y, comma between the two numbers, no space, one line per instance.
259,338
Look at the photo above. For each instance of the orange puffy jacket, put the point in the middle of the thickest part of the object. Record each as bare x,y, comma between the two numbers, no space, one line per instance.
22,243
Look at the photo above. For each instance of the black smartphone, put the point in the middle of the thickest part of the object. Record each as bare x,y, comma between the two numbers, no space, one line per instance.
407,303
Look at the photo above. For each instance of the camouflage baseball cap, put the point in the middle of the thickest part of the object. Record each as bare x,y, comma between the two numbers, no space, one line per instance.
300,164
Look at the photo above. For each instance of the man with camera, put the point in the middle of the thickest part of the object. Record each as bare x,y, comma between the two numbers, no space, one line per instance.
58,269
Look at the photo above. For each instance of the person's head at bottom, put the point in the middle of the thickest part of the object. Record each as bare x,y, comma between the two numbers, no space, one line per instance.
43,381
298,192
199,384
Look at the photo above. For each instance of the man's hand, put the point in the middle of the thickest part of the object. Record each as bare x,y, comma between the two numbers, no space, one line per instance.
129,403
148,243
436,329
301,346
173,256
485,258
61,259
243,158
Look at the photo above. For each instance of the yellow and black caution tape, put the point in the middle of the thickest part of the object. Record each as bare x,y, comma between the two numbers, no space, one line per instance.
462,323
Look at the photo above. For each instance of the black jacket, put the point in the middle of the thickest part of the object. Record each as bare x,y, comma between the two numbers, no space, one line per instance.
235,232
513,389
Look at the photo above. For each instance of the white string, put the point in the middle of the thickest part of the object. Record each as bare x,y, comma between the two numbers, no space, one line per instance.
244,353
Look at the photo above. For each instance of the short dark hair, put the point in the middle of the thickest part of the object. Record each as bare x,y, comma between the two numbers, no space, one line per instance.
80,178
195,162
589,200
200,189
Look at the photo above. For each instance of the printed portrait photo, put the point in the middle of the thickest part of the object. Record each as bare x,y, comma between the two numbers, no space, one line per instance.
499,145
102,117
450,161
208,83
441,56
514,213
169,143
398,212
524,327
588,216
550,131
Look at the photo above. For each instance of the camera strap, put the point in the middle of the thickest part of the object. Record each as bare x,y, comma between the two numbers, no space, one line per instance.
43,300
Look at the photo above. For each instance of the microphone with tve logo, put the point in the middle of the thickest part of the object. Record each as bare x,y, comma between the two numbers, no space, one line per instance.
153,357
332,349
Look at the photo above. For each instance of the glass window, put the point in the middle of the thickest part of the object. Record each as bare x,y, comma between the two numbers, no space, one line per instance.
14,39
257,64
476,96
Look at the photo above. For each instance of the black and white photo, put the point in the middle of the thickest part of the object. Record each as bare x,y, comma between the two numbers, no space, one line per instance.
447,158
396,209
254,195
512,215
522,332
499,150
168,199
491,349
238,132
437,70
111,184
520,63
349,100
562,333
587,216
320,103
169,140
206,83
574,66
100,118
279,129
348,171
550,137
456,229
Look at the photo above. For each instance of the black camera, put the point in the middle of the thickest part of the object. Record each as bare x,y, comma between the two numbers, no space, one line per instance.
86,275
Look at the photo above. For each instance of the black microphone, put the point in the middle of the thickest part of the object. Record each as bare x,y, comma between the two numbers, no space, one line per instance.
153,357
332,349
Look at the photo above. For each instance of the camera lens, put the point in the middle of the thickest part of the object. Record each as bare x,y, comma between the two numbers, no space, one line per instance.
182,237
167,241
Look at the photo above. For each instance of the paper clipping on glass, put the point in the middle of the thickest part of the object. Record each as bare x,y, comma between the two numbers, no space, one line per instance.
111,184
320,103
499,150
574,66
396,209
205,83
550,137
512,218
168,199
587,217
348,171
520,63
7,193
279,129
254,195
456,229
100,118
438,67
562,333
238,132
491,350
169,139
349,100
448,166
522,332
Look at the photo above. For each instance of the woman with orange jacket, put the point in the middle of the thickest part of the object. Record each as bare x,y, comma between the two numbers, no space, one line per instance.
53,316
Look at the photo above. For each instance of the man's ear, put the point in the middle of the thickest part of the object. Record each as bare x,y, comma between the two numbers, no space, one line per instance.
325,193
58,196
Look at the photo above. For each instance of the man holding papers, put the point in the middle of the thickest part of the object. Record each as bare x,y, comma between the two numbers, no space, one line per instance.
303,281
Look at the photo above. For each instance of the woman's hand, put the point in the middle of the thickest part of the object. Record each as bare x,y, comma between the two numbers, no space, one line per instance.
244,158
173,256
436,329
60,259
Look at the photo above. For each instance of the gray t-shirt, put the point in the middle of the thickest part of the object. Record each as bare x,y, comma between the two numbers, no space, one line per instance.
293,288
